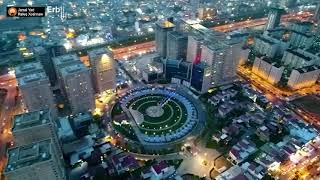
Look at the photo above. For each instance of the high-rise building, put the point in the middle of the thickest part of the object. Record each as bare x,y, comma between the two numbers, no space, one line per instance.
268,69
194,49
274,18
302,27
64,61
36,161
103,70
43,56
176,45
265,46
34,126
304,77
223,68
77,86
177,69
162,29
36,92
298,58
56,50
200,77
28,68
300,39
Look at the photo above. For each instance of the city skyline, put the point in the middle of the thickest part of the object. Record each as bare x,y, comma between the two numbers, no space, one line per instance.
160,89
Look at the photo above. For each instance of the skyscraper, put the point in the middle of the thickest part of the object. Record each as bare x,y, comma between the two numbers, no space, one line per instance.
215,56
103,70
28,68
176,45
35,87
200,77
36,92
64,61
34,126
162,29
35,161
274,18
77,86
43,56
194,49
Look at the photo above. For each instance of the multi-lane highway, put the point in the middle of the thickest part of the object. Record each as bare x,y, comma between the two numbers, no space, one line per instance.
128,52
250,23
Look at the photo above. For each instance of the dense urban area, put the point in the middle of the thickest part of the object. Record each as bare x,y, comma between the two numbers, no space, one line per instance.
160,90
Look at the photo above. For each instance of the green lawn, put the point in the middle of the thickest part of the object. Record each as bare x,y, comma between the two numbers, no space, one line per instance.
175,114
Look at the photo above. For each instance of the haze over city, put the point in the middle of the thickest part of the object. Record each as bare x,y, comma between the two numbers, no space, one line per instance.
159,90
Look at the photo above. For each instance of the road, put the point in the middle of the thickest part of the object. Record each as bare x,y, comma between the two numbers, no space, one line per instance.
257,81
259,22
9,109
128,52
134,50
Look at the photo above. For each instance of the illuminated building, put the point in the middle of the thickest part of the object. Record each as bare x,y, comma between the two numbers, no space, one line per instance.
194,49
206,13
267,69
297,58
176,45
274,18
35,161
77,86
198,36
222,63
36,92
304,77
103,70
200,77
162,29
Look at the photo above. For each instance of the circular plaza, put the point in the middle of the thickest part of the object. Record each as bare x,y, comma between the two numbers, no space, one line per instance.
154,117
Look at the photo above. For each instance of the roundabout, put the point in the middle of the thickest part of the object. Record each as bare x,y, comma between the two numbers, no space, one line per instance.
155,118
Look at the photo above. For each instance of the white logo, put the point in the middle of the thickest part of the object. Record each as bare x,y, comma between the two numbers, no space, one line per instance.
57,10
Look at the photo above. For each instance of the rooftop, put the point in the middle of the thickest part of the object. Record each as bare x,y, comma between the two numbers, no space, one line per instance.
31,119
269,41
65,60
28,155
30,78
28,68
97,52
297,53
308,69
165,24
73,69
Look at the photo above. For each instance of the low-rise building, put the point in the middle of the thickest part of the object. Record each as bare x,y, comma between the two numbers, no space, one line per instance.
242,150
158,171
